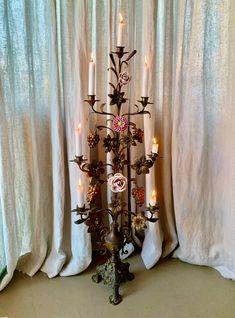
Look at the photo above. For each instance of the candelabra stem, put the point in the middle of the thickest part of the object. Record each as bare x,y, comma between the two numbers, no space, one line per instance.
115,298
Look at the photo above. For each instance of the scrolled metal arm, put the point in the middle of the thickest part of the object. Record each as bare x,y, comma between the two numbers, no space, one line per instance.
101,112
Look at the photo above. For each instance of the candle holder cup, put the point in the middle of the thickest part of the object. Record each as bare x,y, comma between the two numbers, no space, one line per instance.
120,51
91,100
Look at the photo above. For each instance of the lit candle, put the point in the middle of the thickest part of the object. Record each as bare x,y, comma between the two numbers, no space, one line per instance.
80,193
78,139
145,79
121,26
154,146
80,186
153,198
91,83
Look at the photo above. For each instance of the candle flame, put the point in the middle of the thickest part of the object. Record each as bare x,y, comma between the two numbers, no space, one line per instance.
92,57
120,18
154,141
78,128
153,195
79,186
145,61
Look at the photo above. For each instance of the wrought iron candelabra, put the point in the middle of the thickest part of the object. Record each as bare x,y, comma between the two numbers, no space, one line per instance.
121,134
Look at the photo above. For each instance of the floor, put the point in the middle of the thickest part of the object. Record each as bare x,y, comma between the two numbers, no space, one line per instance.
172,289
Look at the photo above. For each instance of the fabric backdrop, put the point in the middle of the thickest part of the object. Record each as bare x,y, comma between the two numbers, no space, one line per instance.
44,53
203,172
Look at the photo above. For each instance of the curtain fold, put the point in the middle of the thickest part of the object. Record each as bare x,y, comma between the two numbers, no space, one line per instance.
45,49
160,239
74,29
56,255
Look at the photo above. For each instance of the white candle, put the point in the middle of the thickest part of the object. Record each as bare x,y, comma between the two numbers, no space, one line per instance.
91,83
153,198
121,26
145,79
80,193
78,146
154,146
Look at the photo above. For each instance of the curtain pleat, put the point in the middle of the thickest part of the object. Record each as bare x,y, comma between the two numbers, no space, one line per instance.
75,58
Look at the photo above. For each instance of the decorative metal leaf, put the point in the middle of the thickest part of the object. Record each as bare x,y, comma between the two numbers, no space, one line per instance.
112,102
80,221
112,59
112,85
137,106
153,220
130,55
114,71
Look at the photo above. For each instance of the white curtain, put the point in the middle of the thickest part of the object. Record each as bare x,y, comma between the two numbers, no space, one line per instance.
203,146
32,161
44,53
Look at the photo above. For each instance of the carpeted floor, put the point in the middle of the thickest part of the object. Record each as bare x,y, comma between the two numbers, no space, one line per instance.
171,289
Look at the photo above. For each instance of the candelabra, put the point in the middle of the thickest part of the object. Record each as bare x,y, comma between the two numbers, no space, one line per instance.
121,134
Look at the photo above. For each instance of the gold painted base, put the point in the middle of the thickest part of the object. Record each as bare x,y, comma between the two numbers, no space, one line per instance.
113,273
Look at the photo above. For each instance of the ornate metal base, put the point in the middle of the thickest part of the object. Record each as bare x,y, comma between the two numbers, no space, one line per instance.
113,273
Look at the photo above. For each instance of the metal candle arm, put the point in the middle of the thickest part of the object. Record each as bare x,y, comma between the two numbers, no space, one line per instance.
114,237
83,213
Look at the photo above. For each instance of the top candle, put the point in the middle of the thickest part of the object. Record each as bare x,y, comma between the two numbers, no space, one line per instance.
121,26
78,140
145,79
91,83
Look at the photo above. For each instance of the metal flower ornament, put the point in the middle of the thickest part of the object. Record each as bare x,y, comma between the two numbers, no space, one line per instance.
124,78
120,135
117,183
120,123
